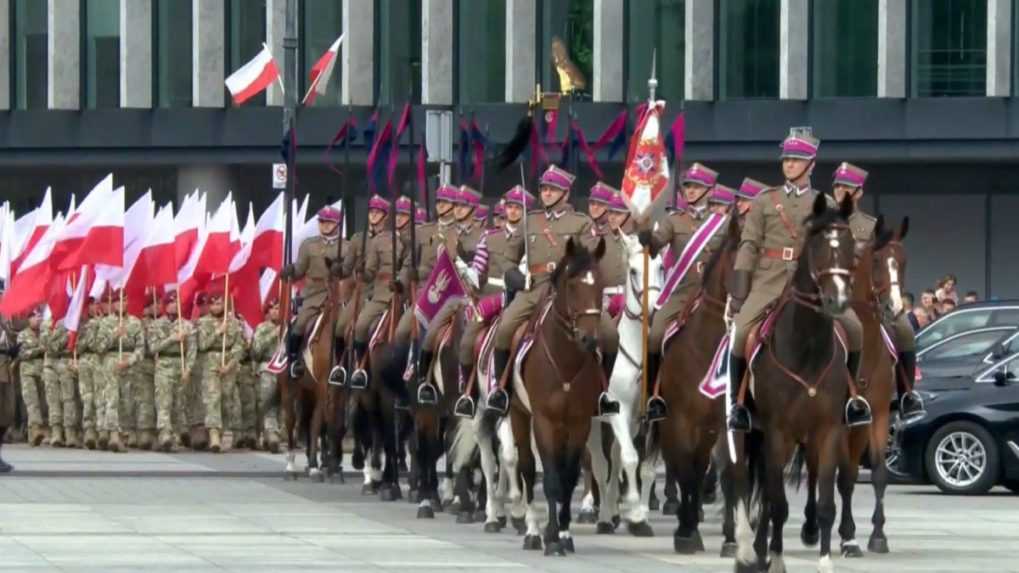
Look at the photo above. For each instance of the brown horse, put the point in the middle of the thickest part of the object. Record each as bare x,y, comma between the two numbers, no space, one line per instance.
557,390
688,435
801,383
882,264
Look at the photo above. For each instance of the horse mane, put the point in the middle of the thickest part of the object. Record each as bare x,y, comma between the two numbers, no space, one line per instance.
573,264
817,222
882,237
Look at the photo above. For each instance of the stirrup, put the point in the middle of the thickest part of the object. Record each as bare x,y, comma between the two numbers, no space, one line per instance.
911,404
657,409
296,370
739,419
858,412
464,407
338,376
428,394
607,406
498,402
359,379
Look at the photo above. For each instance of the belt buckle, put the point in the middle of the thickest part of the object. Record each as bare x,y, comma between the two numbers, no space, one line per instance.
550,267
787,253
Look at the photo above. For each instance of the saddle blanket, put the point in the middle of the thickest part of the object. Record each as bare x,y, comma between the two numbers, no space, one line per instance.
717,377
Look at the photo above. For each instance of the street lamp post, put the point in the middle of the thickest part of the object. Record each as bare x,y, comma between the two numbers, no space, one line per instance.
290,120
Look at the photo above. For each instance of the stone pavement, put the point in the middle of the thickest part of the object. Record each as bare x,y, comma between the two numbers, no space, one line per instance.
69,510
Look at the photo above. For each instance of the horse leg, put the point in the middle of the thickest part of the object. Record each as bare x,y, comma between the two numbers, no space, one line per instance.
314,435
809,531
600,475
290,420
623,428
390,490
646,483
510,454
671,505
569,475
727,479
740,499
687,538
528,472
427,461
878,543
831,449
488,469
846,481
778,505
549,439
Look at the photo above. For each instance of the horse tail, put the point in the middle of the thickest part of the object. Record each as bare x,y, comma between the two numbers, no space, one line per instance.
393,363
795,476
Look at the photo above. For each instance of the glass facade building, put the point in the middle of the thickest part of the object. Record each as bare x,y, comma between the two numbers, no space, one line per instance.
748,44
102,53
949,51
398,51
172,67
245,34
844,48
655,27
321,23
480,51
28,54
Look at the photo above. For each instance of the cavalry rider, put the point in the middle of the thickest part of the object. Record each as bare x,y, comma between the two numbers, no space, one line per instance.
745,195
771,241
849,181
721,199
317,260
676,230
547,235
614,265
598,207
481,217
379,271
499,214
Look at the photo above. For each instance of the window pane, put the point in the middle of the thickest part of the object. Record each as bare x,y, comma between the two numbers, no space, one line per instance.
246,32
399,50
845,48
102,53
949,53
173,58
482,51
748,46
572,22
322,23
656,27
30,62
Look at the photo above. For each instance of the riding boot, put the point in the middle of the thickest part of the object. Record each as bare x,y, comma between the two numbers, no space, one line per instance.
294,355
427,392
359,379
338,375
498,401
5,468
739,414
857,409
606,405
657,409
910,402
464,407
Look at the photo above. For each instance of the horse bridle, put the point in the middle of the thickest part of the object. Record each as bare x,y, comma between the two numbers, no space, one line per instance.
569,319
880,290
638,292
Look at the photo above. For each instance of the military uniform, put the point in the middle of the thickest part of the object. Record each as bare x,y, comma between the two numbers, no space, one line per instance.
8,383
379,272
352,261
31,358
218,392
171,390
429,236
469,236
247,383
144,391
89,380
263,346
118,384
61,386
312,268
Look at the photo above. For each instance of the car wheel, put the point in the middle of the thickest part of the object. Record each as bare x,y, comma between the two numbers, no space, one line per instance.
962,458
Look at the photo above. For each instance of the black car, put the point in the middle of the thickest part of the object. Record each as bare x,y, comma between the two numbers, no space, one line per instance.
969,318
964,353
968,441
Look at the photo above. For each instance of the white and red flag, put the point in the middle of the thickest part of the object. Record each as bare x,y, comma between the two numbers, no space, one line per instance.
244,275
95,233
137,221
321,72
73,318
222,240
29,286
647,165
7,242
157,261
29,229
267,247
253,77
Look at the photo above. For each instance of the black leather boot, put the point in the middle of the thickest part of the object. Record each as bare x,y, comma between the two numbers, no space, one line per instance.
294,358
739,414
857,409
427,392
359,379
5,468
606,405
910,403
657,409
464,407
498,401
338,375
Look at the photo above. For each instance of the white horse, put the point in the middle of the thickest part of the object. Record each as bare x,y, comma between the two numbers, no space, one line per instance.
625,387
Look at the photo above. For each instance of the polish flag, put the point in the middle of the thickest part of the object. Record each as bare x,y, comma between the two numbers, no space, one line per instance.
222,241
298,215
268,284
247,240
73,318
30,229
267,246
244,274
321,72
187,226
7,240
137,222
95,233
28,286
253,77
157,264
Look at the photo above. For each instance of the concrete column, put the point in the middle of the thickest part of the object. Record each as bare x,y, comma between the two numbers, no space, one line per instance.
608,50
521,21
208,54
63,90
358,53
275,29
437,52
699,83
214,180
794,36
136,53
892,34
999,48
5,55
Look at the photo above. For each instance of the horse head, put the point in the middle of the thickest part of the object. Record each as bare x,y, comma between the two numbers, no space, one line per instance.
634,253
829,254
578,298
888,262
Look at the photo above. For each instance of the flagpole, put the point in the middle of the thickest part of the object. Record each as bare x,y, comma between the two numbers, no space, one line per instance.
289,133
652,85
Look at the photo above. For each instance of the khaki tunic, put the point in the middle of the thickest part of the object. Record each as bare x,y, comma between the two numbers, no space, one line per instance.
505,247
352,260
311,266
378,271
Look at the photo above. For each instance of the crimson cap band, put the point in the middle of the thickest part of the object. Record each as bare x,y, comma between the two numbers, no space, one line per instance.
616,203
421,216
800,144
447,193
700,175
500,208
750,188
850,175
377,202
722,195
602,193
403,205
329,214
468,196
519,195
556,177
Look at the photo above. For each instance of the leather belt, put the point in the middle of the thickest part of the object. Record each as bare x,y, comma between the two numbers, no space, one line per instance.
542,268
784,254
383,277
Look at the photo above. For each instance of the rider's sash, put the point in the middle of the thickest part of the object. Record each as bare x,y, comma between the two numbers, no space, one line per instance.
700,239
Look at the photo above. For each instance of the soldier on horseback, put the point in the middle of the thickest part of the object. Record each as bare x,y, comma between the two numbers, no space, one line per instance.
849,181
745,195
613,266
547,234
317,262
772,239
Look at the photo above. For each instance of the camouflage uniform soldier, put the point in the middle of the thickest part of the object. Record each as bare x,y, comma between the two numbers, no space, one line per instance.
61,387
263,345
88,378
771,241
849,181
31,355
247,383
144,391
125,349
8,382
192,411
219,371
165,335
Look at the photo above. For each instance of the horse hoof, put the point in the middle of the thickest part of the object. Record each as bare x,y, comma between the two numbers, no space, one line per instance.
568,545
808,536
555,548
642,529
493,527
480,516
532,543
688,545
709,497
671,507
748,568
390,493
413,496
587,516
453,507
465,517
501,521
728,550
369,489
851,551
616,520
425,513
604,528
877,545
357,460
520,525
317,477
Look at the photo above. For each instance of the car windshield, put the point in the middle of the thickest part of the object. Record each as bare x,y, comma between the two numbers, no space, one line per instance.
966,345
953,324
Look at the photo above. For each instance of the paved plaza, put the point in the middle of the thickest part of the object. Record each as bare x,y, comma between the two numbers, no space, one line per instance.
71,510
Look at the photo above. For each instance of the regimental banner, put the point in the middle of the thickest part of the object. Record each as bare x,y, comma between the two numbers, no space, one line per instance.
443,285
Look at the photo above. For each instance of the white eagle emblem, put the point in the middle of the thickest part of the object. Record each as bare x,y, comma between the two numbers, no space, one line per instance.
438,287
645,162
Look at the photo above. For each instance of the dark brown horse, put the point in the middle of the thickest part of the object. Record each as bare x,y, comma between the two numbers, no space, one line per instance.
557,391
879,272
687,436
801,383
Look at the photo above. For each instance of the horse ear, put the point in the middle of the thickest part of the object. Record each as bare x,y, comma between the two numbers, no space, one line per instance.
820,206
903,228
879,226
599,251
570,248
846,207
734,229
